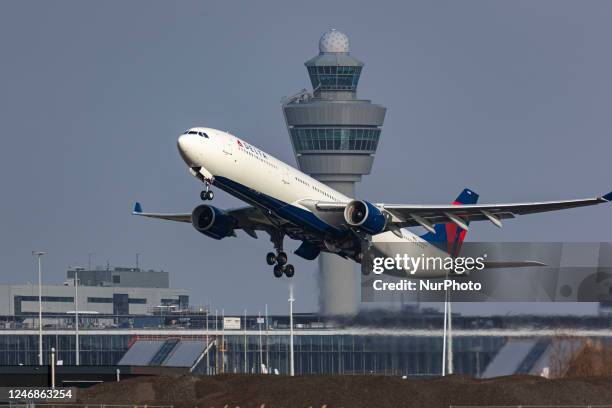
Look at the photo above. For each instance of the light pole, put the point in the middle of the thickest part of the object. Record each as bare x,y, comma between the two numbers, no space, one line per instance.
260,349
291,362
76,317
449,336
223,341
52,368
267,352
39,254
207,342
216,341
444,341
245,342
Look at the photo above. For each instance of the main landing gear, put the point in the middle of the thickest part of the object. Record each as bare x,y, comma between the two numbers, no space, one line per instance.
279,259
207,193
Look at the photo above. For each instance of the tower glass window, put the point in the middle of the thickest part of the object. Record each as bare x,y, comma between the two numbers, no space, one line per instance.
334,78
335,139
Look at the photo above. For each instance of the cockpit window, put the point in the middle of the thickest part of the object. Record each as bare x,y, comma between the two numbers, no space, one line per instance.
194,132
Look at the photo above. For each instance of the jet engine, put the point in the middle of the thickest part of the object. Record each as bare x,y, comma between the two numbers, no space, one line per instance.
212,221
365,216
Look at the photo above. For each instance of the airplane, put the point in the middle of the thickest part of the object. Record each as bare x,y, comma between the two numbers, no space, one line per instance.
283,201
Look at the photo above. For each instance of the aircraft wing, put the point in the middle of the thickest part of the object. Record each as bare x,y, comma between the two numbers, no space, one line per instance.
247,218
408,215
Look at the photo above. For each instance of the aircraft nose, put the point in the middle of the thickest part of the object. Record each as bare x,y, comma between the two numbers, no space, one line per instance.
182,142
187,144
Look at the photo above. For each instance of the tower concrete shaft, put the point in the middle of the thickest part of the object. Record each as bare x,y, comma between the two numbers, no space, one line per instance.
334,137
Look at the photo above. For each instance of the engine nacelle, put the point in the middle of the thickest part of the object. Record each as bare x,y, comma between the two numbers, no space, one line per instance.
212,222
366,216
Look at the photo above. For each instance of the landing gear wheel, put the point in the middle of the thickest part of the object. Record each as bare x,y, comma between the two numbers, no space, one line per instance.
278,271
281,258
207,195
271,258
289,271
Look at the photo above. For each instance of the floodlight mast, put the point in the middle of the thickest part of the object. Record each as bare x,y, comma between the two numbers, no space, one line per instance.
76,317
291,356
39,254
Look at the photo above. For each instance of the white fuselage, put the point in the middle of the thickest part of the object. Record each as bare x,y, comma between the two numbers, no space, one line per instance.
216,154
222,154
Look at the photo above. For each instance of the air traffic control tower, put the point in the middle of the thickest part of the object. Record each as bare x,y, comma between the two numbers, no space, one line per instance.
334,137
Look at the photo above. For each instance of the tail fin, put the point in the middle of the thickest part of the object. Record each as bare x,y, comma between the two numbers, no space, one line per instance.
449,236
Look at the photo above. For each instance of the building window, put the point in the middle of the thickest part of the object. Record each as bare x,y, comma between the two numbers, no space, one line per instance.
116,279
352,139
334,78
99,300
136,301
60,299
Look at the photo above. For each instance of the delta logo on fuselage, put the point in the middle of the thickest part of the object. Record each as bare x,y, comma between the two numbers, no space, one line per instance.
251,148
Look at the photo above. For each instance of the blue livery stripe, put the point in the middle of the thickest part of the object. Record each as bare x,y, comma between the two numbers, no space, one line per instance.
291,213
467,196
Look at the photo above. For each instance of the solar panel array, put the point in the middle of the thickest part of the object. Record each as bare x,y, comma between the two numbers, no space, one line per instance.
167,353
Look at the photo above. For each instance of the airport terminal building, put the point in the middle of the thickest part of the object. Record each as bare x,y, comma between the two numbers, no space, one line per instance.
102,296
405,343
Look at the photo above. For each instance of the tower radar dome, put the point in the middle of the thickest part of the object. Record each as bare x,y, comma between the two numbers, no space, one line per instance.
334,41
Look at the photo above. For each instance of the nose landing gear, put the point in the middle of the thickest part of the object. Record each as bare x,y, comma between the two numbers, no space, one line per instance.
207,193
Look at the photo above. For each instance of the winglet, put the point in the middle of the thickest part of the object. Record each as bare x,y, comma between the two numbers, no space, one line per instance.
137,208
467,196
608,197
